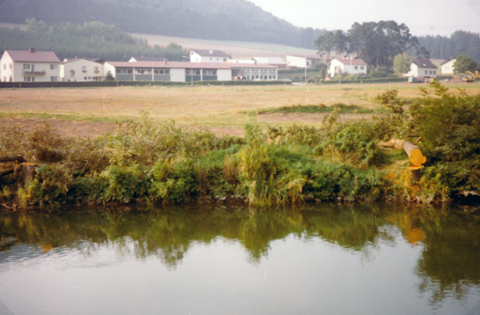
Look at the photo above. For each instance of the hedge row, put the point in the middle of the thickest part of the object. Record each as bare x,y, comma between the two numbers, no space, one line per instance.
9,85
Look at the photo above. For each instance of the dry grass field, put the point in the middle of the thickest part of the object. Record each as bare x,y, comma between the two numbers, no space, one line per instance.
222,109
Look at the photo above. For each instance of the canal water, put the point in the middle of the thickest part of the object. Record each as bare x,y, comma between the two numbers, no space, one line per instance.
319,259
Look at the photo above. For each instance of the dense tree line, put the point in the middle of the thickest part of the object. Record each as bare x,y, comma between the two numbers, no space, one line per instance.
459,43
209,19
377,43
90,39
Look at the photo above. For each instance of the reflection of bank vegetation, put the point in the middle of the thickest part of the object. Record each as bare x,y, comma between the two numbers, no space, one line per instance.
448,264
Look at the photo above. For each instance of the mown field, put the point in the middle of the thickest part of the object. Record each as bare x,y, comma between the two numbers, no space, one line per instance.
85,111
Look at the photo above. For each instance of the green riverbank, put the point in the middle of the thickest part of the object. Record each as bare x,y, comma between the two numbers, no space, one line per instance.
153,162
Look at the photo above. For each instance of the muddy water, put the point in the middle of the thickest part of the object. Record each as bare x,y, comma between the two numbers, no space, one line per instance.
311,260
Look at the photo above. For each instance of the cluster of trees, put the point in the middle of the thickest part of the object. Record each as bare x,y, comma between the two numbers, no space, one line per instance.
377,43
90,39
459,43
209,19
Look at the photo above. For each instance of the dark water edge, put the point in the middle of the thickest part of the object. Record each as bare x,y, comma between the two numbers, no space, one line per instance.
364,250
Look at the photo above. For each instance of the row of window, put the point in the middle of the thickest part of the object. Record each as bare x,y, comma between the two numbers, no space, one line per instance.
356,67
143,71
28,66
430,72
32,79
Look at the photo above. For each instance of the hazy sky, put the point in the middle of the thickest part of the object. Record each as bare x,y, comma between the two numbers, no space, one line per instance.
423,17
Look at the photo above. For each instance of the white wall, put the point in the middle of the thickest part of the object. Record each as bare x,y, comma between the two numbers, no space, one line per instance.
415,71
224,75
6,66
19,74
81,70
177,75
447,68
108,67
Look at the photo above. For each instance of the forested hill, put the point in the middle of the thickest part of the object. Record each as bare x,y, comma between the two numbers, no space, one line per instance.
460,43
238,20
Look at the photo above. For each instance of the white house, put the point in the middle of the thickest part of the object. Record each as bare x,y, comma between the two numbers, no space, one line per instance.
302,61
214,56
447,66
350,66
81,69
29,66
421,67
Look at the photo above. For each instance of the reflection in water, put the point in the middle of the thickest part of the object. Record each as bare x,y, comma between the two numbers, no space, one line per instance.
449,263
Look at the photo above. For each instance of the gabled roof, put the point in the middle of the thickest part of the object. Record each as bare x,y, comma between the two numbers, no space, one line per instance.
77,59
423,63
33,56
148,58
452,59
211,53
356,62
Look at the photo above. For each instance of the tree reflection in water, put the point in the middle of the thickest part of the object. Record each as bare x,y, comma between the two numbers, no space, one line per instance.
448,265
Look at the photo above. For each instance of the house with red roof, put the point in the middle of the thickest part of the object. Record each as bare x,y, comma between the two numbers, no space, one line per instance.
29,66
350,66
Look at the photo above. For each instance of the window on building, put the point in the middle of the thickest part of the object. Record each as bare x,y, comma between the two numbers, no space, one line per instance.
84,68
355,67
26,79
11,79
197,72
26,66
53,79
140,71
434,72
11,66
426,71
53,67
129,71
118,71
187,71
4,67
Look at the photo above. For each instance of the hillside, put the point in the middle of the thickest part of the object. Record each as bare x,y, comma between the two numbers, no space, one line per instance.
238,20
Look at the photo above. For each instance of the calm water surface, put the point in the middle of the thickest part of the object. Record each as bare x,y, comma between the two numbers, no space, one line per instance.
310,260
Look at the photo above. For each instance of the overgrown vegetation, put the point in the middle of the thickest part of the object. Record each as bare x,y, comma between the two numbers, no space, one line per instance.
156,162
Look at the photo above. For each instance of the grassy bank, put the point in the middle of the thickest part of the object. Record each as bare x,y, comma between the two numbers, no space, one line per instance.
153,161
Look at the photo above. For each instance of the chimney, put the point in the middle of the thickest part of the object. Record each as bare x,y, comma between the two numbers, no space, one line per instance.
31,50
165,61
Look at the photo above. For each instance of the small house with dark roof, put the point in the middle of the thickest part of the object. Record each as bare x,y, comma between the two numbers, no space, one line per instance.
214,56
350,66
81,69
421,67
29,66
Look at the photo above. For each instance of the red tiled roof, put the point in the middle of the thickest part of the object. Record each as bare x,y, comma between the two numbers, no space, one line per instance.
76,59
36,56
355,62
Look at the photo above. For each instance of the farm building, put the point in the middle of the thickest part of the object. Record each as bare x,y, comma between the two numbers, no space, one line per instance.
187,71
81,69
350,66
302,61
213,56
29,66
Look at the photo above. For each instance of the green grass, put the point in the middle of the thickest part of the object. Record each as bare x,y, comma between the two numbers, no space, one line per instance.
321,108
